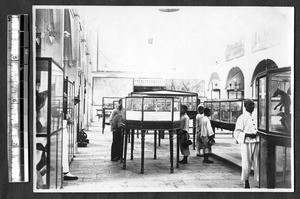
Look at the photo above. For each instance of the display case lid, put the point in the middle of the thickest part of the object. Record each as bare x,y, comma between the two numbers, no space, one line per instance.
224,100
164,93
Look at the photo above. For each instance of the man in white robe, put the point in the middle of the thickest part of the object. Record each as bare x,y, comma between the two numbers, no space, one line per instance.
246,134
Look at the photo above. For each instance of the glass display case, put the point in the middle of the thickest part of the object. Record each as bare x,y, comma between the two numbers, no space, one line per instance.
224,113
146,110
150,113
236,109
215,111
190,99
187,98
49,120
69,115
274,127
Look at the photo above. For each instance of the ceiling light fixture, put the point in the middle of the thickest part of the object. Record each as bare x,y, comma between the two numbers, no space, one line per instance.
168,9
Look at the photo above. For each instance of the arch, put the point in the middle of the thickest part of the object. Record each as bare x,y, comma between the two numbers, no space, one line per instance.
214,77
235,79
213,86
263,66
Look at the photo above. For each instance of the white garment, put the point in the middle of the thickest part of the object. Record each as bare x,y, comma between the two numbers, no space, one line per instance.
184,126
250,158
185,122
206,129
198,122
199,118
249,146
245,124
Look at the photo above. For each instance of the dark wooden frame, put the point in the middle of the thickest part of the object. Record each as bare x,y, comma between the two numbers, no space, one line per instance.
272,139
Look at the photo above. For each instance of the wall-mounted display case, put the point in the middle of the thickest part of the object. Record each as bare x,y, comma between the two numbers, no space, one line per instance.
49,120
108,105
274,127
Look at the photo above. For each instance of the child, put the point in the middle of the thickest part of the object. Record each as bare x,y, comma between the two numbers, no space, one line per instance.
206,135
199,118
184,135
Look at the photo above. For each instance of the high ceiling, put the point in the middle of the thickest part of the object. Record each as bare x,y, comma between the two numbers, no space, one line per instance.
133,38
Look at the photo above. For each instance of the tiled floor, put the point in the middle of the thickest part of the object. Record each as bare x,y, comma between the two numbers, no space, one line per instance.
98,174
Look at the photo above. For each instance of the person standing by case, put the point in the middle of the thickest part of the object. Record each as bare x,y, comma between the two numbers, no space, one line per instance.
246,134
115,121
184,134
207,135
199,118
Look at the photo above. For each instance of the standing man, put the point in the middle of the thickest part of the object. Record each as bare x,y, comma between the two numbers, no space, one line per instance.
246,134
184,134
115,121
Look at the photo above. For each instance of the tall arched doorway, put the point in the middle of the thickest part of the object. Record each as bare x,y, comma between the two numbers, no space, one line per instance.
213,86
235,84
261,67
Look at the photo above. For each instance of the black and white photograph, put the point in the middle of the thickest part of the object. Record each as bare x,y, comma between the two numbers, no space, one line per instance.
120,91
150,99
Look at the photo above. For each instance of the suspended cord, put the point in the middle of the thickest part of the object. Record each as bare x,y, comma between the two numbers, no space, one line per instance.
109,59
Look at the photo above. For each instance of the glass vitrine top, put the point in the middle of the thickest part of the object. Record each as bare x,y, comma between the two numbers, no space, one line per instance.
187,98
145,108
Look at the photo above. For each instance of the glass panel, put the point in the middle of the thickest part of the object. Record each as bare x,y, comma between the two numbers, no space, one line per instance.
194,104
215,111
262,103
115,104
185,101
56,98
134,104
59,159
70,112
133,109
207,105
263,163
280,102
158,104
235,111
283,167
149,104
225,111
55,166
53,162
176,110
41,100
157,109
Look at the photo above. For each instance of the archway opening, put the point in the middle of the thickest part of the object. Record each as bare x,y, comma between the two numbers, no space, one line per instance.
235,83
213,86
